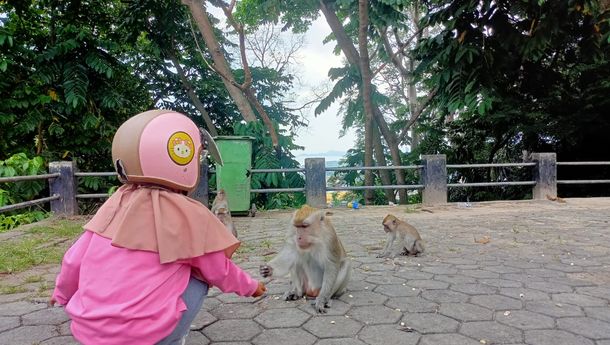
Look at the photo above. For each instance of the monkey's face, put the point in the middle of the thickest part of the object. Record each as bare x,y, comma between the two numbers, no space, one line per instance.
303,236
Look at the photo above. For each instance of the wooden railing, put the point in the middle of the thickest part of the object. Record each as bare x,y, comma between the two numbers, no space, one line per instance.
432,173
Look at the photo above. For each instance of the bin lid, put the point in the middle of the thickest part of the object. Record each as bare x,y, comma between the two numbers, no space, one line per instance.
232,137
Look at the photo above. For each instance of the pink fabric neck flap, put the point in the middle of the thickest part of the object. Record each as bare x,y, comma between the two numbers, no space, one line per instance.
158,220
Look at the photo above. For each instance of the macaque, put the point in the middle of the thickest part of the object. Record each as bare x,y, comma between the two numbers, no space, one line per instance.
314,257
220,208
409,241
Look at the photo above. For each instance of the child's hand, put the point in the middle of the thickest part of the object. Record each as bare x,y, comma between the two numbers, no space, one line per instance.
52,301
260,290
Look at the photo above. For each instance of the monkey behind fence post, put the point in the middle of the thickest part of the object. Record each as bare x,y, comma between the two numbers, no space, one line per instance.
314,257
220,208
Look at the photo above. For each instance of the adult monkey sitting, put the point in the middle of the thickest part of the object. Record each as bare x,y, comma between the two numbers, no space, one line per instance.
314,257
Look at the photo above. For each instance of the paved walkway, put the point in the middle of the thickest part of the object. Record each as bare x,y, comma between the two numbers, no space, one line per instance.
544,278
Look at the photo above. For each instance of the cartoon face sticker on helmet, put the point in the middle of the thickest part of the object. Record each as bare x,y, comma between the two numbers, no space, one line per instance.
180,148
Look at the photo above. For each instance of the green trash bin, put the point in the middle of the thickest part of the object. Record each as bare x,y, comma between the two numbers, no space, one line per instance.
233,177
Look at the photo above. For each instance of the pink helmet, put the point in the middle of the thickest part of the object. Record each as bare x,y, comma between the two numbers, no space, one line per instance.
158,146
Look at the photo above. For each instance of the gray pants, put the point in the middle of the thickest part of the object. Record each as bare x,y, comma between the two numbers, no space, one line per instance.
196,291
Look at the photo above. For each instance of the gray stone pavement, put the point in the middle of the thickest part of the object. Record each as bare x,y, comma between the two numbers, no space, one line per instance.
544,278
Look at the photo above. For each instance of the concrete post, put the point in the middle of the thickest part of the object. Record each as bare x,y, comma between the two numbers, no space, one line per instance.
201,193
434,179
315,182
65,187
545,175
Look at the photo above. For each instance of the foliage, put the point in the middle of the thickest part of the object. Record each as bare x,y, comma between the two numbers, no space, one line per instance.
518,76
16,192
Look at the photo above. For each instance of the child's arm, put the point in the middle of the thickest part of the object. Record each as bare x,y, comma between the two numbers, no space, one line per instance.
220,271
66,283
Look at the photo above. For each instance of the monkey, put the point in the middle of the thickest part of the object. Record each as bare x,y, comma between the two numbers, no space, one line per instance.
408,238
220,208
314,257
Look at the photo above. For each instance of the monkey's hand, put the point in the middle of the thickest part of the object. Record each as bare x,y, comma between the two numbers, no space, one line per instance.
321,304
265,271
382,255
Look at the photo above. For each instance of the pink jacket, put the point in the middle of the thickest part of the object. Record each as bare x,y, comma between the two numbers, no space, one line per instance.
121,296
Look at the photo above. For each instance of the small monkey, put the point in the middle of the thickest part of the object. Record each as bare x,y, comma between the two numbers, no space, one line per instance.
314,257
408,238
220,208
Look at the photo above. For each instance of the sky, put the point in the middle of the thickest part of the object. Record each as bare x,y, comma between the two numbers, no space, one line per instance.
321,137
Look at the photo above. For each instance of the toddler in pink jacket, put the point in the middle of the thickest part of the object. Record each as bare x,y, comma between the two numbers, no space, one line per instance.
141,270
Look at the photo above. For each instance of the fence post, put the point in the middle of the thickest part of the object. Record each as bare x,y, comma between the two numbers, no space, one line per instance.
202,191
545,175
315,182
65,186
434,179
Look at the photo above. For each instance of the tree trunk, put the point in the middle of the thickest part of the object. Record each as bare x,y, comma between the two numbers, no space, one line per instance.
348,49
365,72
381,161
412,92
186,84
220,63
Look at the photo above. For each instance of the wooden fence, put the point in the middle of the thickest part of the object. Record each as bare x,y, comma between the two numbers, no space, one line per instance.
432,171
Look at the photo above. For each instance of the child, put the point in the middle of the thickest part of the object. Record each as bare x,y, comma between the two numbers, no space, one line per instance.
140,271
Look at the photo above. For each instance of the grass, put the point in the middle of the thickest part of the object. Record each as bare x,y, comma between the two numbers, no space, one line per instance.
40,244
10,289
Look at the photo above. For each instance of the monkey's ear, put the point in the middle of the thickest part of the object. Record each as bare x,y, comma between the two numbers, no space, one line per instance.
393,221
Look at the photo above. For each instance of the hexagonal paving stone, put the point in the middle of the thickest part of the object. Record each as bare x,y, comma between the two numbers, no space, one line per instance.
447,339
363,298
232,330
522,278
210,303
196,338
579,300
387,334
525,294
8,322
600,313
385,280
428,284
496,302
454,279
412,304
202,319
553,308
586,326
501,283
292,336
474,289
413,274
282,318
491,331
521,264
430,323
440,270
444,296
236,311
61,340
48,316
396,290
502,269
332,327
554,337
549,287
20,308
28,334
466,312
340,341
597,291
480,274
524,319
375,314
